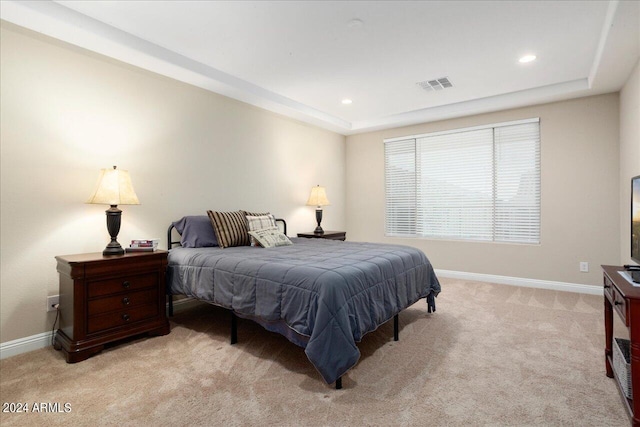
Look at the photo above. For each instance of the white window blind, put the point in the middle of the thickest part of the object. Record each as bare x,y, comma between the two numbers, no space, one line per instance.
479,183
400,188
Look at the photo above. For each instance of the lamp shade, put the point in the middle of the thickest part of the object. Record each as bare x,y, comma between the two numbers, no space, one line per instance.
318,197
114,188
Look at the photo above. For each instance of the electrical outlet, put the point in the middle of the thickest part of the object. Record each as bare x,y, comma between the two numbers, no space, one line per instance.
52,301
584,266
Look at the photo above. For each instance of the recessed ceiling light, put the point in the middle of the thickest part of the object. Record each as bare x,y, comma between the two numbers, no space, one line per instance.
527,58
346,101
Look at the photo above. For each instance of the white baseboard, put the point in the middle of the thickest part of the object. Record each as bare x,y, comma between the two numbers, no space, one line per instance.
520,281
35,342
23,345
38,341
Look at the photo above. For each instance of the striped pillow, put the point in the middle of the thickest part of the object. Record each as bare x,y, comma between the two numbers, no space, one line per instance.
256,214
230,227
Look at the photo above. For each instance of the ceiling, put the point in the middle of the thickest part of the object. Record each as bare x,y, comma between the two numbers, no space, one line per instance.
302,58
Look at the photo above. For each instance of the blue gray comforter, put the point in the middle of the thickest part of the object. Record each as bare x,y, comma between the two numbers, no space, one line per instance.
321,294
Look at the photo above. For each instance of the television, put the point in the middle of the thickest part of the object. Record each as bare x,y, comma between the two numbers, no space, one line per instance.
635,228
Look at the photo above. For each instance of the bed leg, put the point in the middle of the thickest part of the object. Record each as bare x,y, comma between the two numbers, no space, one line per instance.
170,297
234,328
339,383
395,328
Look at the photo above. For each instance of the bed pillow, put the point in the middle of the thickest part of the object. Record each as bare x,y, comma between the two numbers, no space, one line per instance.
270,237
260,222
256,214
196,232
230,228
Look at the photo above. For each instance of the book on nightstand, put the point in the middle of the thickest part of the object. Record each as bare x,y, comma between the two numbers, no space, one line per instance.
143,245
134,249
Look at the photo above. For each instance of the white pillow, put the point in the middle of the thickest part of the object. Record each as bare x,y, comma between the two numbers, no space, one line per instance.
270,237
260,222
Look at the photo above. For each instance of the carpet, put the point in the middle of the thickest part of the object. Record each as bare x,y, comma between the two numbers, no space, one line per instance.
492,355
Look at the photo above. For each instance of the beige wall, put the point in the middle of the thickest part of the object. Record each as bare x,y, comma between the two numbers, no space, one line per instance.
580,194
629,155
66,113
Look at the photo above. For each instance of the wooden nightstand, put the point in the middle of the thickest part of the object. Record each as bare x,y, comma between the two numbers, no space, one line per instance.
107,298
331,235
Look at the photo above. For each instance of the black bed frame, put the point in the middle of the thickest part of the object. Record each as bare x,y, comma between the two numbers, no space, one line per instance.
234,318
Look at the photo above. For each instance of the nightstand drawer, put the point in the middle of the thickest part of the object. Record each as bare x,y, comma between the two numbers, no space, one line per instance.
122,301
608,289
121,284
121,318
620,305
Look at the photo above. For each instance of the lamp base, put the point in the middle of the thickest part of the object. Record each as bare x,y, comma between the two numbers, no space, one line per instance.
318,229
113,226
113,248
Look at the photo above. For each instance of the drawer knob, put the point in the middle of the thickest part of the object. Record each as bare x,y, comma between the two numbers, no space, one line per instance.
125,317
617,302
607,286
126,284
126,301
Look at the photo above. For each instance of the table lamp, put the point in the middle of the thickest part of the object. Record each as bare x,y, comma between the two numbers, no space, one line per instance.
114,188
318,198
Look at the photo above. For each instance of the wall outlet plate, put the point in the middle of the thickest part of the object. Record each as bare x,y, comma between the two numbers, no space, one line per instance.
584,266
52,301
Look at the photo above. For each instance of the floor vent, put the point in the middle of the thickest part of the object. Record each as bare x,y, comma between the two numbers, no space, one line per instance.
436,84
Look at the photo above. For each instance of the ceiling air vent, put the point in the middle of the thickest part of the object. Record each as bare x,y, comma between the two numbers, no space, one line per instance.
435,84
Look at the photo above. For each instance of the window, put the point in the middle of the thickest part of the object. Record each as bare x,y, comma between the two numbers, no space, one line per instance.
480,183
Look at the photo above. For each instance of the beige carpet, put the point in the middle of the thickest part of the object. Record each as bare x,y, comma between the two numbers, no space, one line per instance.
492,355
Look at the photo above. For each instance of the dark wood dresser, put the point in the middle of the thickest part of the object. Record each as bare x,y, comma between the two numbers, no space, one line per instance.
331,235
107,298
623,298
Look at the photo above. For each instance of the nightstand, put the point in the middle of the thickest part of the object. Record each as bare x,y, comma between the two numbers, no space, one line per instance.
107,298
331,235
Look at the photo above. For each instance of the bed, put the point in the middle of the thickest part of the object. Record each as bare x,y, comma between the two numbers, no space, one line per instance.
323,295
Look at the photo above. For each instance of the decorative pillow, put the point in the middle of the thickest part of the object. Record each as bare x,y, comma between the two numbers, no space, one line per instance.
196,232
230,228
260,222
270,237
256,214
